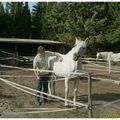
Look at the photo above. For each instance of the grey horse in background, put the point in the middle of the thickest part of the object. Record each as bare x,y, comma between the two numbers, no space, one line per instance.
103,55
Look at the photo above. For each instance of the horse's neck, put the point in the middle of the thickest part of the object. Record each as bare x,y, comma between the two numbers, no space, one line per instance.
77,64
69,55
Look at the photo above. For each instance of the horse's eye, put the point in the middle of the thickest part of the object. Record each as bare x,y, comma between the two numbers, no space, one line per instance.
83,48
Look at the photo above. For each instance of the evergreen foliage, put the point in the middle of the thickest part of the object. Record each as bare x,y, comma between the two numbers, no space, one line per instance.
63,21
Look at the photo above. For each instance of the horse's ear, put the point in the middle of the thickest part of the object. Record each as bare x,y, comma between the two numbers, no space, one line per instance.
77,39
87,40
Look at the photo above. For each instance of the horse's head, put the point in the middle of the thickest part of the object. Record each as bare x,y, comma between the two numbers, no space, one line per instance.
79,49
97,56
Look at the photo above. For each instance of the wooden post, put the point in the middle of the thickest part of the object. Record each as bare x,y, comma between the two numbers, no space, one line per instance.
51,48
16,54
63,49
90,114
109,65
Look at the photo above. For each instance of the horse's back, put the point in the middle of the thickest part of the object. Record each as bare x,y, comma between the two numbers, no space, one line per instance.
64,68
105,55
51,61
115,57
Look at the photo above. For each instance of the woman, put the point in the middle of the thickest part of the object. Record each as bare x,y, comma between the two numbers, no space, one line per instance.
40,62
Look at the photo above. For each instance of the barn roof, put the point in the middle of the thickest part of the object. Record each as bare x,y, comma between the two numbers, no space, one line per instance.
35,41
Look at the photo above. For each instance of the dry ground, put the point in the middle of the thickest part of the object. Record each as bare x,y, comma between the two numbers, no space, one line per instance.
13,100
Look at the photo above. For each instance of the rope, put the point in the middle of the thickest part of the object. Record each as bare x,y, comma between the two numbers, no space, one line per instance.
110,103
94,59
41,108
13,54
95,65
28,69
21,76
115,71
23,90
6,52
8,58
24,76
106,80
5,58
80,73
11,58
31,112
53,96
99,66
73,73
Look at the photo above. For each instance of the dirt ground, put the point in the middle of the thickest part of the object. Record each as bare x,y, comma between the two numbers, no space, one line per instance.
103,93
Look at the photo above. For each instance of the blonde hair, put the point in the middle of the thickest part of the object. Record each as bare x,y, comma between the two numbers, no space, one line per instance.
40,48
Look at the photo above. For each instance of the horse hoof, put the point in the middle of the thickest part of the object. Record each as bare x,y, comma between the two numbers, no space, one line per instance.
75,107
67,106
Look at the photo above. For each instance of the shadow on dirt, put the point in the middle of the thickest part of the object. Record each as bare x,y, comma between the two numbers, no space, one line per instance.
7,96
107,97
85,80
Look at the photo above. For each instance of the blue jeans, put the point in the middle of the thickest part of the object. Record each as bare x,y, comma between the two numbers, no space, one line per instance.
42,83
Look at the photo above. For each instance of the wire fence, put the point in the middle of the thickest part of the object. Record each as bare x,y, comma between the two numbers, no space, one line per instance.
25,89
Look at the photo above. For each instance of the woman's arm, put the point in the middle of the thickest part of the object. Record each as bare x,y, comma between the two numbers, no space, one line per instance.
60,56
34,68
49,53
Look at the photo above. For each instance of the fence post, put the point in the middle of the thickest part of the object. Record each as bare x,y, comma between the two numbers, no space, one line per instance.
109,65
90,114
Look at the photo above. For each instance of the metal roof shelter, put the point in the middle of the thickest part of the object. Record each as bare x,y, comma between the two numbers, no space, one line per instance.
27,47
16,40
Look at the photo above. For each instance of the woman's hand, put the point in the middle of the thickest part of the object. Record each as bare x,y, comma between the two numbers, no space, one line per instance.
60,58
38,78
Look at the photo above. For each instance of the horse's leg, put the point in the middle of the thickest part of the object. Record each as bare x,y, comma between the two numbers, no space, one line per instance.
53,84
49,86
76,83
51,76
66,90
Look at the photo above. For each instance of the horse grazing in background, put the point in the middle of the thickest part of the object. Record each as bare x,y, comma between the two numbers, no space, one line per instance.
103,55
71,62
115,57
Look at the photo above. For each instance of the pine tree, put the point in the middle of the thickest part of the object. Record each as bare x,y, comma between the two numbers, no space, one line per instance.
26,21
37,20
63,21
16,9
2,21
1,9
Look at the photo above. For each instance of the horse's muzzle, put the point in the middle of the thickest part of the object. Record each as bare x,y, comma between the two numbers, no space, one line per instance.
76,57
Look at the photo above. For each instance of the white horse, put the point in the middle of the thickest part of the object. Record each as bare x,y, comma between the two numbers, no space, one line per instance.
71,62
115,57
103,55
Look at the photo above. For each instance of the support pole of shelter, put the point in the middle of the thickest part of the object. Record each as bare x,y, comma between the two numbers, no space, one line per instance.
51,48
63,50
90,114
16,54
109,65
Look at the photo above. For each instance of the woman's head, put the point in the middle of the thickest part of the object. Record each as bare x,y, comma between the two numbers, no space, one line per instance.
41,50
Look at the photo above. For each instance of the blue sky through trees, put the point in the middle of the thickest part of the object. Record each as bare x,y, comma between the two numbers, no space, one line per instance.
29,3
